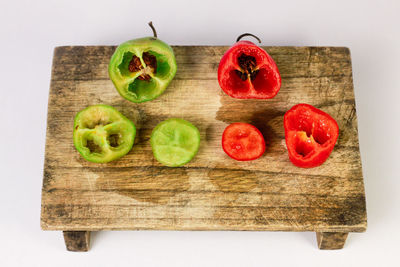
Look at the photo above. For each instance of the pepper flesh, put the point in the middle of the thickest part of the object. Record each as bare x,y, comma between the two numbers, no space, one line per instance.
310,135
247,71
243,142
102,134
141,69
175,142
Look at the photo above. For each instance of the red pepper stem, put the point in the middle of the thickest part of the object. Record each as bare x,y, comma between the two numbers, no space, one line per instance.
154,30
247,34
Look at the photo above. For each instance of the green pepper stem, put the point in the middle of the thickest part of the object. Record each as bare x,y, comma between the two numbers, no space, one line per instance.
154,30
247,34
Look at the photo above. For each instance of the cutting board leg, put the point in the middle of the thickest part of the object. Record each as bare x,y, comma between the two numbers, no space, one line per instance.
327,240
77,240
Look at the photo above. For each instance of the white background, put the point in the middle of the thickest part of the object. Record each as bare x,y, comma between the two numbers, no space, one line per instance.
29,30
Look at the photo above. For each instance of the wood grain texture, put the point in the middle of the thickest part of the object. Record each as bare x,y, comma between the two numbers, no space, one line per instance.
331,240
212,192
77,240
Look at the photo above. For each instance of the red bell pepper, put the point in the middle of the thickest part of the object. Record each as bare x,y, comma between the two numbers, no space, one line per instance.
310,135
247,71
243,141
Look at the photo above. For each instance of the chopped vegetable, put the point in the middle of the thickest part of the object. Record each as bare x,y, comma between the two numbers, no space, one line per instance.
247,71
310,135
243,142
175,142
141,69
102,134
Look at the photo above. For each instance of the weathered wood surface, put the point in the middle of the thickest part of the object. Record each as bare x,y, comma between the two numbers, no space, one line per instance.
212,192
77,240
331,240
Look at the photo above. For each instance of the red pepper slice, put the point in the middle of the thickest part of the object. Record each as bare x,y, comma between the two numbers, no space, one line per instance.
247,71
310,135
243,141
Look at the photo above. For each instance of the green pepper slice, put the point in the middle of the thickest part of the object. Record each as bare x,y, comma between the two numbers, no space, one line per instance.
141,69
103,134
175,142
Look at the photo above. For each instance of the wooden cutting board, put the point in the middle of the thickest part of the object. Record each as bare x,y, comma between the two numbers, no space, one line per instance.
212,192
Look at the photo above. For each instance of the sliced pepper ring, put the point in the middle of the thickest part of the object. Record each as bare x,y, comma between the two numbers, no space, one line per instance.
175,142
243,142
310,135
102,134
141,69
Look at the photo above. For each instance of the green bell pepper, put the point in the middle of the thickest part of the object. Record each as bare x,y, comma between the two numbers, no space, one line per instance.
102,134
175,142
141,69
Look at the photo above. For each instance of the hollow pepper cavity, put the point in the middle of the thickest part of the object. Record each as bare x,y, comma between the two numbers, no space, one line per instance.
248,71
102,134
141,69
310,135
